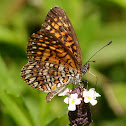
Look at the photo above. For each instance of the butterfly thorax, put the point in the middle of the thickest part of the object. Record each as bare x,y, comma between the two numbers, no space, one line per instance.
76,79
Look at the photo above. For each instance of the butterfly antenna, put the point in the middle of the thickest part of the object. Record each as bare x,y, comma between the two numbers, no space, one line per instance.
97,52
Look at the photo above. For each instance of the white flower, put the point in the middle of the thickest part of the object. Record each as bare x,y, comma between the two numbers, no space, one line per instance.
72,100
65,92
90,96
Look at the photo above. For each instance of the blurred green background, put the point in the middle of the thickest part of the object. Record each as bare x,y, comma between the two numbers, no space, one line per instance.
96,22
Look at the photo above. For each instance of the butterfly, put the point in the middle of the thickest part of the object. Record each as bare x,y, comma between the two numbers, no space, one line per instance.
54,53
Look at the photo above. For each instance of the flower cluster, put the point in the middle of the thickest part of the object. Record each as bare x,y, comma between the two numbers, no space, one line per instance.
75,98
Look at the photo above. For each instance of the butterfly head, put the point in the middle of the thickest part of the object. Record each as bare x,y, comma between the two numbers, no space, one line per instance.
85,68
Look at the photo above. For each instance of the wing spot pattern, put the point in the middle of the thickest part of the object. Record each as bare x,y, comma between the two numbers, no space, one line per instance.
52,31
55,19
56,26
57,34
60,18
53,24
59,23
48,27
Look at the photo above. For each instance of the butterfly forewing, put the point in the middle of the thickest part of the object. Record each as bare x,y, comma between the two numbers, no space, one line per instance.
58,23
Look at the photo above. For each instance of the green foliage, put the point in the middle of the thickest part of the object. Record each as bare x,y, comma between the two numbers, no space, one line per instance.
96,23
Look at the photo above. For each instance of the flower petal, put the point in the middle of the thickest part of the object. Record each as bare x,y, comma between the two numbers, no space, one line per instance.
72,107
86,100
66,100
65,92
74,96
78,101
93,102
97,94
85,93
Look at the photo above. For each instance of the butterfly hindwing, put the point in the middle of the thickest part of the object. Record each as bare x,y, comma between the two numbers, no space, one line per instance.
46,76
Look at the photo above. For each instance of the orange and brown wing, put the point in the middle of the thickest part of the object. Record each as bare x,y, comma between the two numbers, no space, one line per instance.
58,24
56,41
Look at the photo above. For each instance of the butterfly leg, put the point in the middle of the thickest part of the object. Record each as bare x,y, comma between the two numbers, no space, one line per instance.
83,83
51,94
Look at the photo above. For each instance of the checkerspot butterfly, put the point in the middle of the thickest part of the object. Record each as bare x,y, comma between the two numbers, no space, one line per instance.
54,54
